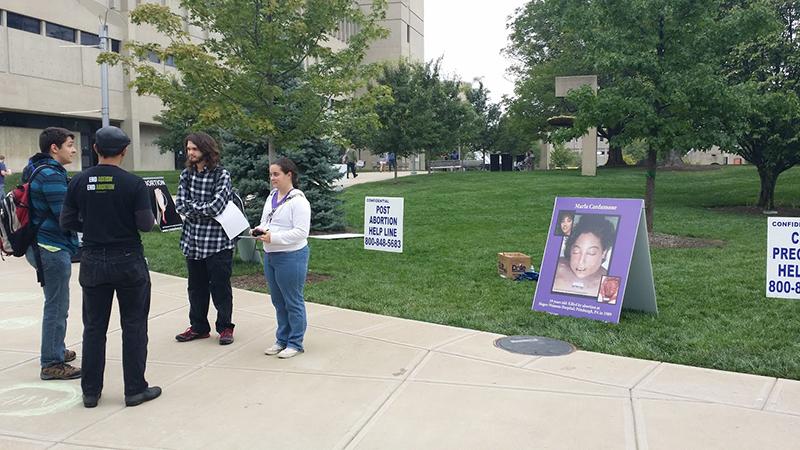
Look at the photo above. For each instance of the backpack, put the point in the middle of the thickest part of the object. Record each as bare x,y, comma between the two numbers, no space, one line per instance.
237,200
17,231
235,197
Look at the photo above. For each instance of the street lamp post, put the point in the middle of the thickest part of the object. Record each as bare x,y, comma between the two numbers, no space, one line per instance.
104,73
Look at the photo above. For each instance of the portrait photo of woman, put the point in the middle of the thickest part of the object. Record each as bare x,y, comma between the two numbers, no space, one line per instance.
565,221
586,255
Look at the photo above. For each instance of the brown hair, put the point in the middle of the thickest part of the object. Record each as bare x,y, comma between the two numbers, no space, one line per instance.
287,165
207,146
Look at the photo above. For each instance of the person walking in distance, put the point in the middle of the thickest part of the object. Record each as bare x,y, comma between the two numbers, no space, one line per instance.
52,250
4,172
350,159
204,190
110,206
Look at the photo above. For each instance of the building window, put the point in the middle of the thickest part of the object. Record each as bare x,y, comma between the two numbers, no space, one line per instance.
57,31
90,39
94,40
408,33
170,61
153,57
24,23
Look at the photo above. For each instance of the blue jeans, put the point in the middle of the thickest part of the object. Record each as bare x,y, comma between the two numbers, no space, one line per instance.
56,270
286,277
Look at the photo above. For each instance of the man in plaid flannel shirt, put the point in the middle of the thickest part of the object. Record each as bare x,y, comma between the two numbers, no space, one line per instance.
204,190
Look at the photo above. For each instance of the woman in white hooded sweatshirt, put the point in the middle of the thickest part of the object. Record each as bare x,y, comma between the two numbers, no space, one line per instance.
284,228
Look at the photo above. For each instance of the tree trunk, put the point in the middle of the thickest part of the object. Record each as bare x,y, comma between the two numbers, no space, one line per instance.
766,199
615,157
271,150
650,189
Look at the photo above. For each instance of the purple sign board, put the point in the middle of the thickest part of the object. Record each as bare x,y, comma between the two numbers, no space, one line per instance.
596,256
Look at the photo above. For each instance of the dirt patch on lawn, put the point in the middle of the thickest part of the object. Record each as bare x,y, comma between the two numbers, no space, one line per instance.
782,211
690,168
256,281
660,240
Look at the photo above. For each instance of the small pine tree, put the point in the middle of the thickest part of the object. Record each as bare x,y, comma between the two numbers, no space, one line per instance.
315,159
248,164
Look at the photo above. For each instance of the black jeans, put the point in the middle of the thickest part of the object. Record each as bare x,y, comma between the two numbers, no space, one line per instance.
103,272
351,167
210,276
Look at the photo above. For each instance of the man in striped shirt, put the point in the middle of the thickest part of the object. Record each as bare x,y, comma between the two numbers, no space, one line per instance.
204,190
54,247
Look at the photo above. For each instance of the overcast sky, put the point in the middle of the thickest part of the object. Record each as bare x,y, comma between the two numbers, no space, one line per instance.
471,35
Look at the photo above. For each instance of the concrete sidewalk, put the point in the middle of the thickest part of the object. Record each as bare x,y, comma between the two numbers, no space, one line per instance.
366,177
369,381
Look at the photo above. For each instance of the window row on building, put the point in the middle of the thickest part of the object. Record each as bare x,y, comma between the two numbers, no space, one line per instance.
53,30
346,30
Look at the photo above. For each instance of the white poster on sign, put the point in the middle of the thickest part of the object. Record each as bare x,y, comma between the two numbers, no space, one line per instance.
383,224
783,257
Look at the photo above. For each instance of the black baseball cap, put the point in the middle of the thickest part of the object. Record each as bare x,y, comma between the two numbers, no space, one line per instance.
111,141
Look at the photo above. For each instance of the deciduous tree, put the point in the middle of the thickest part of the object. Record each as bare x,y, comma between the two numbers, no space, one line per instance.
265,73
667,89
764,74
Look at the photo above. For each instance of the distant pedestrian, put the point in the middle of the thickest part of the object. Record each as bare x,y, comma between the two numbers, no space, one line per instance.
284,227
204,191
392,159
527,163
350,159
110,206
4,171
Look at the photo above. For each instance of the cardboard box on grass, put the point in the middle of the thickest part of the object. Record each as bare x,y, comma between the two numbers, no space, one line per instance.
511,264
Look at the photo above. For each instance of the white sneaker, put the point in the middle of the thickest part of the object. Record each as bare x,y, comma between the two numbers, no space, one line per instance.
288,352
274,350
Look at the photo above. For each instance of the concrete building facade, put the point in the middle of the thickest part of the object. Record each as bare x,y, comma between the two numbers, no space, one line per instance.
49,75
405,21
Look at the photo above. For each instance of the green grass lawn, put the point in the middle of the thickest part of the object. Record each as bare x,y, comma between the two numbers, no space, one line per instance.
712,308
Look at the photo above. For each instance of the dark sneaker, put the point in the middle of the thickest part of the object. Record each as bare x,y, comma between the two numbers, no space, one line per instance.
69,355
226,337
190,335
61,371
149,394
90,401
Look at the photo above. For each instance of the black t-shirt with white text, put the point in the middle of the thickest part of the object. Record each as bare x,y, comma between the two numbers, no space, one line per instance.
106,198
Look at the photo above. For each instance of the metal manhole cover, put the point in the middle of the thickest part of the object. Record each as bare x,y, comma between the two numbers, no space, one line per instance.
534,345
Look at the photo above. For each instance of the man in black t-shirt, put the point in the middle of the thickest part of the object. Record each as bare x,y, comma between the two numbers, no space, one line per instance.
110,206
